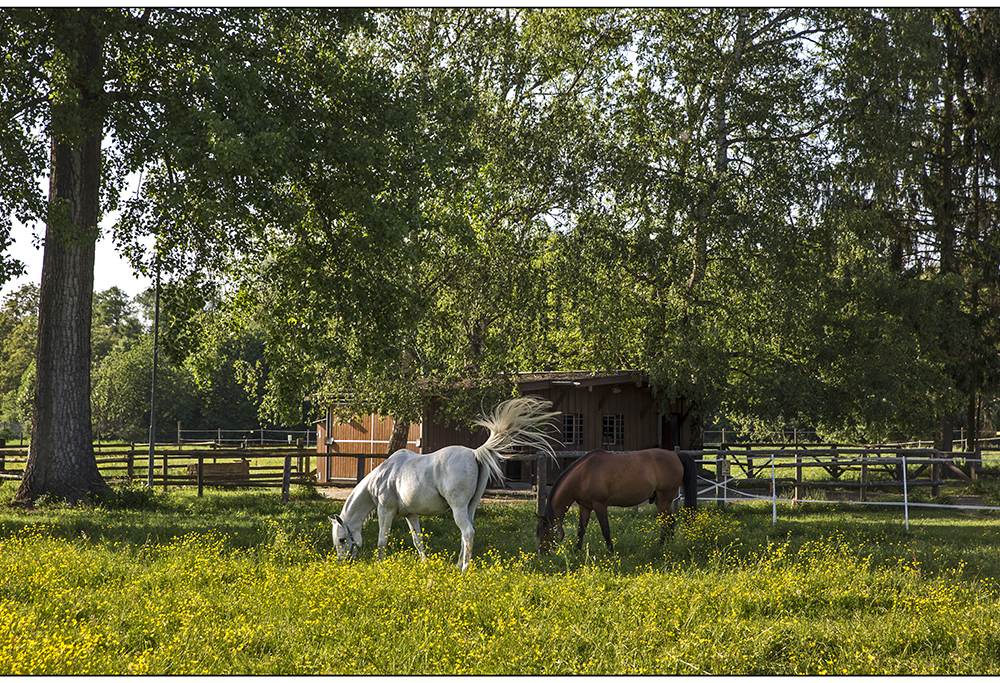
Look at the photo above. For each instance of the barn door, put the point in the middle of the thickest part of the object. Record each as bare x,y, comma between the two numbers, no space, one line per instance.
670,431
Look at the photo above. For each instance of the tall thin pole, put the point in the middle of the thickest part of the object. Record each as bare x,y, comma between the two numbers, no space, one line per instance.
152,400
906,498
774,495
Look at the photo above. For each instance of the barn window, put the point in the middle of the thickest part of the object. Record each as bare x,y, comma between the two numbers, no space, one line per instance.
572,428
613,431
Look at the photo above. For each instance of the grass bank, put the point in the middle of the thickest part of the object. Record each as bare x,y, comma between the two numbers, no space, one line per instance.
237,583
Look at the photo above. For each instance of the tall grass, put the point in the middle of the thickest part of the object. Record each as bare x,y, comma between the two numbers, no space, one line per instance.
237,583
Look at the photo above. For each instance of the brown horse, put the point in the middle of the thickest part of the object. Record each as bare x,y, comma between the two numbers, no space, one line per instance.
600,479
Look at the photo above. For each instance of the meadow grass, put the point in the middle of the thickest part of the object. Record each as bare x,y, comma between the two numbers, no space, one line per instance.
238,583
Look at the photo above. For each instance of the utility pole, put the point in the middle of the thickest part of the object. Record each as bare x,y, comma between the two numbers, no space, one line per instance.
152,401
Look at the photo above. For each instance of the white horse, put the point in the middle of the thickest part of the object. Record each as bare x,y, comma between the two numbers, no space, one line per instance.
414,484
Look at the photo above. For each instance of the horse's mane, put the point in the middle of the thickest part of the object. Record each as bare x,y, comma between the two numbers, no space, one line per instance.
549,512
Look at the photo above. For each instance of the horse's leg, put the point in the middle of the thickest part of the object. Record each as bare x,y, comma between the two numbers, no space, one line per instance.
461,515
385,516
584,518
665,511
418,541
602,517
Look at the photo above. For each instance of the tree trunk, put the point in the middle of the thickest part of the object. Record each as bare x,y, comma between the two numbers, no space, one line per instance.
972,422
61,456
400,432
945,438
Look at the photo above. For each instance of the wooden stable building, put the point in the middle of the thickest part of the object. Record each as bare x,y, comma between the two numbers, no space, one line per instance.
614,412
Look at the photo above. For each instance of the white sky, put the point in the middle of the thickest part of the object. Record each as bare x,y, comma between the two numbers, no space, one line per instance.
110,269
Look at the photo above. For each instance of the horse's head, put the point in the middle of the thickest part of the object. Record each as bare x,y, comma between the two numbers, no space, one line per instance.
346,541
547,532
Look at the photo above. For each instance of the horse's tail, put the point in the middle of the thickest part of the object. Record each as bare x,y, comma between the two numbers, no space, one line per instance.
516,422
690,481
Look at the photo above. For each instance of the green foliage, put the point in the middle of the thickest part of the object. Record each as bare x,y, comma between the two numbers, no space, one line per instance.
18,338
131,495
18,335
206,99
696,242
207,390
785,216
507,96
915,170
121,397
229,369
303,492
761,249
113,319
16,406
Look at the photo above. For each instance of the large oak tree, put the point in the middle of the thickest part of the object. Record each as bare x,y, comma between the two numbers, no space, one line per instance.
226,114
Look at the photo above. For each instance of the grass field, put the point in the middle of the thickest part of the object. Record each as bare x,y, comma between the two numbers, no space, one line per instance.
238,583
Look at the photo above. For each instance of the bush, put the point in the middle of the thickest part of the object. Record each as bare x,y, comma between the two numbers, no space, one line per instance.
131,495
302,492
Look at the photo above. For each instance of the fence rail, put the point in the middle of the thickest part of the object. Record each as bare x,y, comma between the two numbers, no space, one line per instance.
730,473
208,465
936,464
756,467
236,437
807,437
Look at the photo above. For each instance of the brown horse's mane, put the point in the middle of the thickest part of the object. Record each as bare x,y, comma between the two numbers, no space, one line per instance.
549,512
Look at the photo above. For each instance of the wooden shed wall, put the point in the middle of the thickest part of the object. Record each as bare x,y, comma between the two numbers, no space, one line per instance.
438,434
367,436
643,427
635,406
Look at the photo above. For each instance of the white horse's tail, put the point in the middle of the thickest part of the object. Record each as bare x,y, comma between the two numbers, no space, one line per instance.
517,422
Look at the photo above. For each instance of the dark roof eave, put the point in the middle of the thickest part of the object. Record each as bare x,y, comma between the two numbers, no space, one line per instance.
529,381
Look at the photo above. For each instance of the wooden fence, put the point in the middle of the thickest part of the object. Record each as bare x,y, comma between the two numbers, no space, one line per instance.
726,473
733,472
853,469
200,465
235,437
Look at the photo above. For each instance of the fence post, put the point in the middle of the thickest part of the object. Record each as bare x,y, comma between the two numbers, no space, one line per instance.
130,459
906,498
286,478
361,468
540,471
774,494
201,474
178,435
798,474
976,464
164,470
725,478
935,475
864,476
721,472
